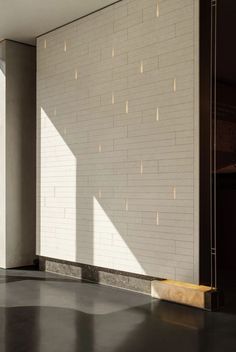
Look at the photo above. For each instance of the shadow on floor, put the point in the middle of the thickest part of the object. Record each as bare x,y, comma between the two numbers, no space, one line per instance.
43,313
157,326
5,279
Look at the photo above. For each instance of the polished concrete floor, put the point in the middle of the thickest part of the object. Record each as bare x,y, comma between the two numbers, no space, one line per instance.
46,313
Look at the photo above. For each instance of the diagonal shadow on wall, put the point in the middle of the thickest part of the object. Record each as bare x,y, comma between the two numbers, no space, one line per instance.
85,215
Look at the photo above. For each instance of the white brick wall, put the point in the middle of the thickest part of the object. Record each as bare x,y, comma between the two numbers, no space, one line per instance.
118,139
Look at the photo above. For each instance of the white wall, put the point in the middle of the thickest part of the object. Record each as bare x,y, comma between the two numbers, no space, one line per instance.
17,154
117,117
20,154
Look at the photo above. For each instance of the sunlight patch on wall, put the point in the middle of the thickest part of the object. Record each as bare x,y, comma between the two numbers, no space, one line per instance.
157,114
141,167
157,218
108,237
127,107
141,67
158,10
174,193
57,194
65,46
76,74
174,85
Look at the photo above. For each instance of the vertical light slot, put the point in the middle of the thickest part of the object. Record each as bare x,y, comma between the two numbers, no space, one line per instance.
157,218
100,148
113,98
99,194
65,130
157,114
174,85
174,193
65,46
76,74
141,167
113,52
141,67
55,112
126,205
158,10
45,44
127,107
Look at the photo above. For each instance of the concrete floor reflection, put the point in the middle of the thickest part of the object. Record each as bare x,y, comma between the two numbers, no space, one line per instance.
45,312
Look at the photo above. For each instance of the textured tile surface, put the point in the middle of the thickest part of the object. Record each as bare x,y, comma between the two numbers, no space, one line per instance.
118,139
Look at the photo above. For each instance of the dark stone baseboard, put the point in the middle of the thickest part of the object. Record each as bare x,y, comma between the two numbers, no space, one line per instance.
103,276
183,293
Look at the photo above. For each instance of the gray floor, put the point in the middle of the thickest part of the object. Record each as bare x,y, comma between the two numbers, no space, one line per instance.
46,313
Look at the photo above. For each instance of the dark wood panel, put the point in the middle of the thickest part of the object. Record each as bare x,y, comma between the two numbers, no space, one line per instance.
205,166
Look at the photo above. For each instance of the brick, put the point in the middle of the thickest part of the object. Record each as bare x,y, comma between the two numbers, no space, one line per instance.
107,162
